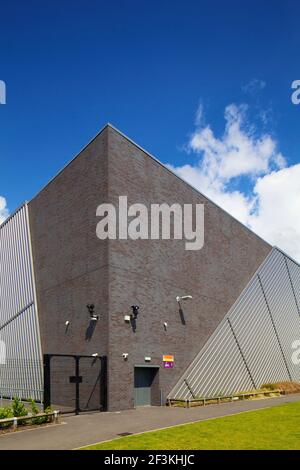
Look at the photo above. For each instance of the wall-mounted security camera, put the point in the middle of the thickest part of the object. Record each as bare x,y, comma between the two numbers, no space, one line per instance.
67,323
165,325
183,297
91,309
95,355
135,311
125,356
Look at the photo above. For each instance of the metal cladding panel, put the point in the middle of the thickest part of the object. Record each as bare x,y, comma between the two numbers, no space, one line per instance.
217,370
21,372
16,279
253,343
21,375
294,272
282,304
254,331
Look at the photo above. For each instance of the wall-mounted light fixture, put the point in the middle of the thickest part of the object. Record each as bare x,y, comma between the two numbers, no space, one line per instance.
127,318
67,324
147,359
95,355
165,325
183,297
91,309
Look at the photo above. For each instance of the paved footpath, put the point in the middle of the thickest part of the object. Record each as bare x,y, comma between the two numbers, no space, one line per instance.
76,431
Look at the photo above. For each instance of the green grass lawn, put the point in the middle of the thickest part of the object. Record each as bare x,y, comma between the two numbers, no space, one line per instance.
272,428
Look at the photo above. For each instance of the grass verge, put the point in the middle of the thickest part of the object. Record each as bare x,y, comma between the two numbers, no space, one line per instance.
272,428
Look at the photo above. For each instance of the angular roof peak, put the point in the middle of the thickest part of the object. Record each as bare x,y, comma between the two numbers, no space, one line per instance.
124,136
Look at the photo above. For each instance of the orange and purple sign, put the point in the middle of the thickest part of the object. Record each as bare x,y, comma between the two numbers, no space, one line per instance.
168,361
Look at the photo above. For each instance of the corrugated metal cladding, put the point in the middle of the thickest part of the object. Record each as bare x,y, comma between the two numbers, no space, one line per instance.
253,343
21,369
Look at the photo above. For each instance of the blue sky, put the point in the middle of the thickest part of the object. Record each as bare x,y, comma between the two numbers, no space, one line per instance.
70,67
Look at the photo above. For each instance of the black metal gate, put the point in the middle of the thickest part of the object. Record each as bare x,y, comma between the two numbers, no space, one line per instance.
75,383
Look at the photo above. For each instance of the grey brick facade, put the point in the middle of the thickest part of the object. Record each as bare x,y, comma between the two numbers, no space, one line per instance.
73,267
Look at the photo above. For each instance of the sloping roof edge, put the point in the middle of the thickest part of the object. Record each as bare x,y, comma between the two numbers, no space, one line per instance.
109,125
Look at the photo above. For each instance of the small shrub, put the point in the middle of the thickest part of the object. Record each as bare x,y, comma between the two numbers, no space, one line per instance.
287,387
35,411
45,419
269,386
34,408
18,408
6,413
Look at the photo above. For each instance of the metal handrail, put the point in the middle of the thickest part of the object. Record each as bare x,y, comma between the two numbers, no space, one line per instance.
15,420
204,400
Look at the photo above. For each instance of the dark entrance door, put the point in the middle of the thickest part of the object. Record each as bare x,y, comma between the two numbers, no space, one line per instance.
143,385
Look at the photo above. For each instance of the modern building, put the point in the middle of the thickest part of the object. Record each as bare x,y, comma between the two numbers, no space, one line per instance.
238,331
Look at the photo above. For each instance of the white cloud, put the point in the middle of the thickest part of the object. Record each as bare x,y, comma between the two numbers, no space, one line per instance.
254,86
277,219
269,202
199,119
3,209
